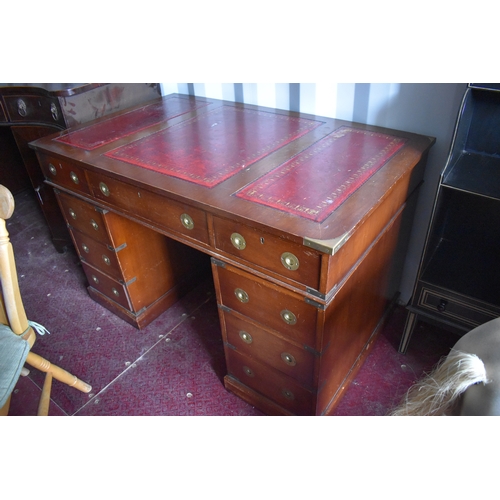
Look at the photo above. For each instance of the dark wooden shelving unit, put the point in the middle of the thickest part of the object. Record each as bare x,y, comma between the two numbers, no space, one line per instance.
458,281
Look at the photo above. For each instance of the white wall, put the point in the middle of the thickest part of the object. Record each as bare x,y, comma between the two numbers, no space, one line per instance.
424,108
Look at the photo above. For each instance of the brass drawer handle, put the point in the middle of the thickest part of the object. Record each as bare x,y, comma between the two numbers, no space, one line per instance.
288,359
95,280
246,337
288,317
248,371
72,213
187,221
53,111
116,293
86,249
21,107
290,261
94,224
241,295
52,169
74,177
238,241
288,394
106,260
104,189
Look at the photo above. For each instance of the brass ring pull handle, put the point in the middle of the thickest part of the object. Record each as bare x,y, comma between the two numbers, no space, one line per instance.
238,241
290,261
21,107
187,221
94,224
246,337
95,279
241,295
288,317
106,260
288,359
72,213
116,293
86,249
52,169
74,177
104,189
53,111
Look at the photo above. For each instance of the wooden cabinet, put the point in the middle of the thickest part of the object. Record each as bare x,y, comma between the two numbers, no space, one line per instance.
29,112
300,215
458,282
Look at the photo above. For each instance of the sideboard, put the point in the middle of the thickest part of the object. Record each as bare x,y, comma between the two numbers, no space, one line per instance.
31,111
302,220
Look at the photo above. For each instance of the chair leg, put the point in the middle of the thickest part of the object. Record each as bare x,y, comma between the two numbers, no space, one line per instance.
44,403
4,410
58,373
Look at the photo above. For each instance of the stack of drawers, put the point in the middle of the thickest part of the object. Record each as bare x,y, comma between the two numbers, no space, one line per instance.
269,330
132,270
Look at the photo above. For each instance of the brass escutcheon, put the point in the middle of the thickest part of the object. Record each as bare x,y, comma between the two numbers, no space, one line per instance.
238,241
246,337
187,221
248,371
290,261
104,189
288,394
241,295
52,169
94,224
288,317
74,177
288,359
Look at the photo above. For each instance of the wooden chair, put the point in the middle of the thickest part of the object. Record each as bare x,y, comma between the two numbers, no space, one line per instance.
17,335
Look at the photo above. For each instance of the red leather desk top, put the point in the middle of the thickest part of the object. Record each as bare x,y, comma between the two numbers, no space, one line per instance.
305,175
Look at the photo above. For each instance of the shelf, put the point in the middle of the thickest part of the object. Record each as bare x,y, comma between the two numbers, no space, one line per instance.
475,173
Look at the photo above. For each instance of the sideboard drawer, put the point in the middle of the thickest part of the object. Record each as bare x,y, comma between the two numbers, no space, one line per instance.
64,174
272,350
27,108
282,256
275,385
163,213
275,307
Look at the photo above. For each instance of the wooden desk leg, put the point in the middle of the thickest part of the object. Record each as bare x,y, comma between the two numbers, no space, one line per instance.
411,321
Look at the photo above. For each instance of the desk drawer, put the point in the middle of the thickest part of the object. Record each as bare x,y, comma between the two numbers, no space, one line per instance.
83,216
160,211
99,255
272,350
111,288
279,255
275,307
277,386
64,174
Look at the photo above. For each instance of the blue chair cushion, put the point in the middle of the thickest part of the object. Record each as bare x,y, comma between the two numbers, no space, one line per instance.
13,353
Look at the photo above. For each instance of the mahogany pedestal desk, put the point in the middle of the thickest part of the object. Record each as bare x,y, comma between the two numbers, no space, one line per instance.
301,215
